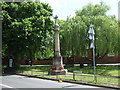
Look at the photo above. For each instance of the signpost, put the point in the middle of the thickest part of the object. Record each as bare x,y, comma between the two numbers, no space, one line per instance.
91,37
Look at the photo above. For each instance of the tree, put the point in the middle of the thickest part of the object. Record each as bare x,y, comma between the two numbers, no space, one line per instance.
74,39
119,36
27,29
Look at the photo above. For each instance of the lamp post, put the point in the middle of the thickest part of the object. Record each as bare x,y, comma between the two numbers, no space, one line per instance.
57,66
91,37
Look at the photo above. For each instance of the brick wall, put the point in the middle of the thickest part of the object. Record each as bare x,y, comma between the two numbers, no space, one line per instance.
76,60
36,62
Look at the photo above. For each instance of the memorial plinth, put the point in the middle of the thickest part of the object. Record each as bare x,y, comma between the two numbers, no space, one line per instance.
57,67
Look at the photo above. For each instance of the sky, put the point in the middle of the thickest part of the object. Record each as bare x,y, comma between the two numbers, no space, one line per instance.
64,8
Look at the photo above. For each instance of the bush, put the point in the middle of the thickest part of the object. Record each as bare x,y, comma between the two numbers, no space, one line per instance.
16,66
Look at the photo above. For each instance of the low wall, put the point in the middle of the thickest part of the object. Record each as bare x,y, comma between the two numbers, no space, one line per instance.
75,60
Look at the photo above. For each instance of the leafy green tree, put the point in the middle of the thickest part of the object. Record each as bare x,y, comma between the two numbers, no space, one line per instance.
27,29
74,39
118,37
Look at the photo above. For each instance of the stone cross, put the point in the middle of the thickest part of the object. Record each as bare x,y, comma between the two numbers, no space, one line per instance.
57,67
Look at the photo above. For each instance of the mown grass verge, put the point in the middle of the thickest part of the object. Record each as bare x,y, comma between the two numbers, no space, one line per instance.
106,76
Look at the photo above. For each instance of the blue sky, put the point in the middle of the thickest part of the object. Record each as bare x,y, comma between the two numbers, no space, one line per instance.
64,8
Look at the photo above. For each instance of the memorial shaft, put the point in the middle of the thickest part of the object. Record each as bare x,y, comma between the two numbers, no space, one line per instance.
57,60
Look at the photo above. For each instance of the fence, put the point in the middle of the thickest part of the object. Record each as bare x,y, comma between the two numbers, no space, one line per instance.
76,76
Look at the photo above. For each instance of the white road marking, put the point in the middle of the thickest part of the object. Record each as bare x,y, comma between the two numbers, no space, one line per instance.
6,86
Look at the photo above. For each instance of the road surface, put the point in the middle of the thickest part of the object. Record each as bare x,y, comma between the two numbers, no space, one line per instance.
16,81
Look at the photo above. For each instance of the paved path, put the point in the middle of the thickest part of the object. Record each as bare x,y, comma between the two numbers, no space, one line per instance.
15,81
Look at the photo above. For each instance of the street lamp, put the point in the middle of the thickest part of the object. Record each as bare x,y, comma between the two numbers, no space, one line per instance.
91,37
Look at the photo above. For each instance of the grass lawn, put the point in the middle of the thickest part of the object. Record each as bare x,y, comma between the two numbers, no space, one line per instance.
86,76
102,70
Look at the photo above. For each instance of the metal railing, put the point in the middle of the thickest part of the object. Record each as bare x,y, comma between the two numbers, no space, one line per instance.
76,76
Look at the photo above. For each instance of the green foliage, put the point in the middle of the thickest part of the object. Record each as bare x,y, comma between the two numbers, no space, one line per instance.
16,66
74,31
93,10
118,36
27,29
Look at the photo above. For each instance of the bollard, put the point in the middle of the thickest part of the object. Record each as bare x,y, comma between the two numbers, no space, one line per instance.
57,75
3,71
60,79
22,71
74,76
75,72
31,72
43,73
